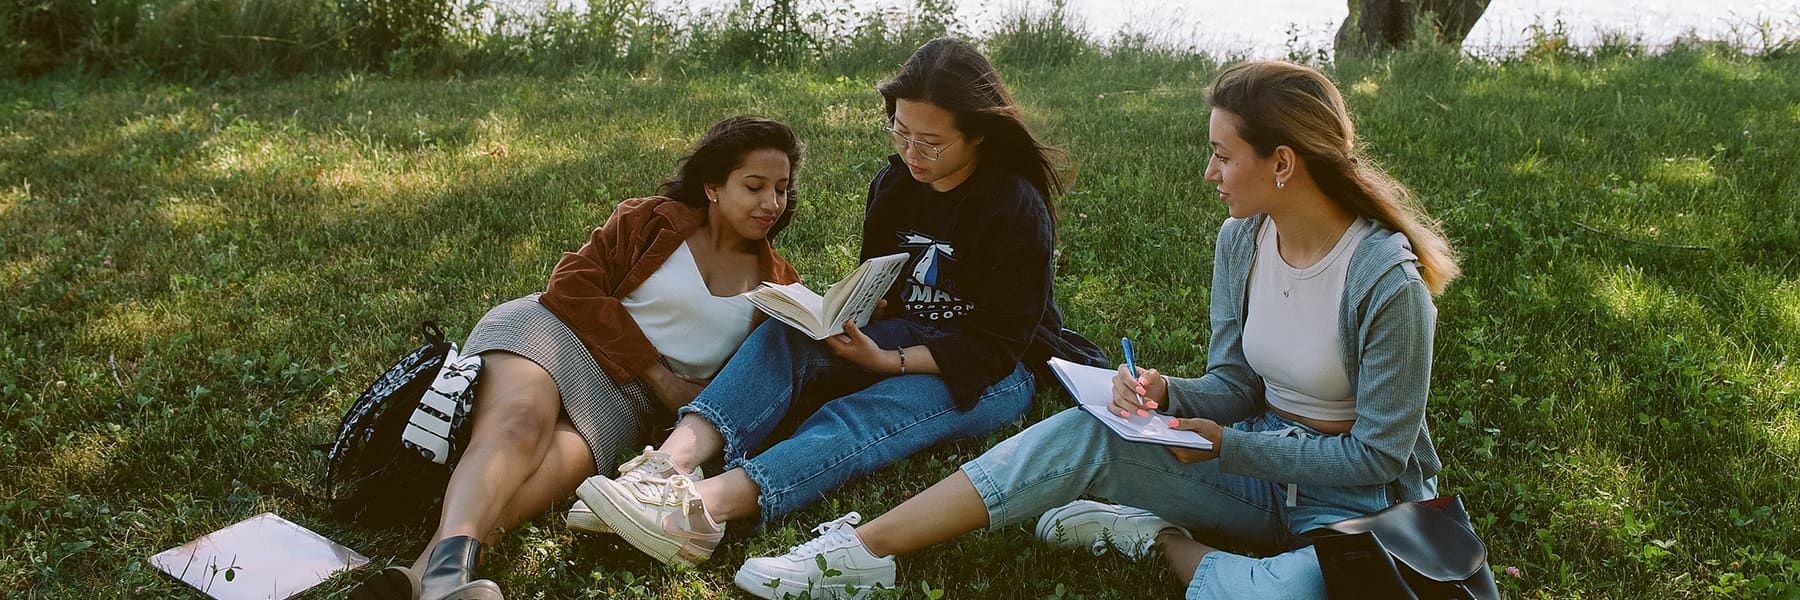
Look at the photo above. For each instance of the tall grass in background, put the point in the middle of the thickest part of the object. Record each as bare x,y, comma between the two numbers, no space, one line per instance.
197,39
201,269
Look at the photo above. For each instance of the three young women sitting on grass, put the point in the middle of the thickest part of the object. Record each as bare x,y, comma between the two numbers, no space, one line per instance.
1313,398
628,331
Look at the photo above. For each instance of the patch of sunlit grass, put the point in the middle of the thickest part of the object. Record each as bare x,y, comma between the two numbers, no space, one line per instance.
1691,170
1631,295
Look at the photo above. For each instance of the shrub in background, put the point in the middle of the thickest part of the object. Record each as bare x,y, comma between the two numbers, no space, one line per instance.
1049,39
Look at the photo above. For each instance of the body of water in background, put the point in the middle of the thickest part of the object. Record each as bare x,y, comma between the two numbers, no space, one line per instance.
1270,28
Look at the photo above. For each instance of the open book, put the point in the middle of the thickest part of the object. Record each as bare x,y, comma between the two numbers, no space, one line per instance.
1092,388
852,298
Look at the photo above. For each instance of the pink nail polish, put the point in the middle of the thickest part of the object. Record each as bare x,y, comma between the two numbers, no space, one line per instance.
1143,413
1173,423
1124,414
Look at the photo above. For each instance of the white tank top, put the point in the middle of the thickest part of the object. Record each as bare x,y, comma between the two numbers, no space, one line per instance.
695,330
1291,332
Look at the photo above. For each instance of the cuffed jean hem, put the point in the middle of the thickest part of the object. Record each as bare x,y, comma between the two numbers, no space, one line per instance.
1002,502
1293,575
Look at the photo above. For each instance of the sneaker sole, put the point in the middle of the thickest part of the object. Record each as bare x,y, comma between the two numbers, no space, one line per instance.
640,537
759,587
1046,526
587,522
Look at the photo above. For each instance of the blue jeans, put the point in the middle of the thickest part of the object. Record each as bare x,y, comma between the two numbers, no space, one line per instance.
847,421
1071,454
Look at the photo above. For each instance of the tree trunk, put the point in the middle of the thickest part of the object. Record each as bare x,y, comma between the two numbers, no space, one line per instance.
1377,26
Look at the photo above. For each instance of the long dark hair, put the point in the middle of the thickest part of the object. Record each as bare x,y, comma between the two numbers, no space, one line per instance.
1284,104
722,149
953,75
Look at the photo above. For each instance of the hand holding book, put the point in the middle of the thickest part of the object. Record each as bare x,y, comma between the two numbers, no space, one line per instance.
851,299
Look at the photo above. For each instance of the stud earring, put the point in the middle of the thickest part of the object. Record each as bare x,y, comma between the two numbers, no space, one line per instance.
1281,185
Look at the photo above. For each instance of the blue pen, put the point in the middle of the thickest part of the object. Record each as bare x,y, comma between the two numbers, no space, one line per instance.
1131,364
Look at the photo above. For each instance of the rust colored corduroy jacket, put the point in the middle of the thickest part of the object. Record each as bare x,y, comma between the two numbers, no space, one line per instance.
585,288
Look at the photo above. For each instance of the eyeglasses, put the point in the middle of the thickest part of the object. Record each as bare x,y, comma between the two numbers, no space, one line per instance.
901,142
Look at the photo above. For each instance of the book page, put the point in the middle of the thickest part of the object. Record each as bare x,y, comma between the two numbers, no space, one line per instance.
1092,388
854,298
792,303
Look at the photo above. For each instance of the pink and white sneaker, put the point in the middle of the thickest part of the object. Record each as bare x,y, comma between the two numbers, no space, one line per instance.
654,507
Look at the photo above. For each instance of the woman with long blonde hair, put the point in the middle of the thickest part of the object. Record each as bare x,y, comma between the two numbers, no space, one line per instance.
1313,397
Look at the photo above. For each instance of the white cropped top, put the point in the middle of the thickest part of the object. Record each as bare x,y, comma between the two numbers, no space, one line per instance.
1291,329
693,329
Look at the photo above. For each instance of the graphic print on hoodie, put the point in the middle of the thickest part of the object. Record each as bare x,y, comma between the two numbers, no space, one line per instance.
923,296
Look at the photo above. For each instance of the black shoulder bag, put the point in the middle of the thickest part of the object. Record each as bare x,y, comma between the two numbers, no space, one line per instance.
1422,550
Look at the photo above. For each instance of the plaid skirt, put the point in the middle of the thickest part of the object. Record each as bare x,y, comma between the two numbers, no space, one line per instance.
611,417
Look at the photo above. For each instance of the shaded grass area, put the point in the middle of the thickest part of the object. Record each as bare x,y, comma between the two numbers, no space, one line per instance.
200,277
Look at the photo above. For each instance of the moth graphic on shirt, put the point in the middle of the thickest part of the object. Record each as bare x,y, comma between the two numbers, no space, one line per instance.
927,294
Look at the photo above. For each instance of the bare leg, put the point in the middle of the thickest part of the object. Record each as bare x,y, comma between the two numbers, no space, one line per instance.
730,496
694,441
565,466
947,509
1182,554
516,411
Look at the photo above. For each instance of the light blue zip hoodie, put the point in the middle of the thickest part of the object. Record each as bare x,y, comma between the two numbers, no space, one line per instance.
1386,321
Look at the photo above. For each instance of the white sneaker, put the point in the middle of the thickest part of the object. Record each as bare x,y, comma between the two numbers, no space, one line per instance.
834,565
654,507
1095,527
581,518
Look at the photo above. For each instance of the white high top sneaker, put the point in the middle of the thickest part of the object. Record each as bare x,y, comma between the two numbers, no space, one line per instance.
834,565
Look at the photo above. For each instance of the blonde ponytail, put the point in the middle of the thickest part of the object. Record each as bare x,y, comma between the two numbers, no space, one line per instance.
1285,104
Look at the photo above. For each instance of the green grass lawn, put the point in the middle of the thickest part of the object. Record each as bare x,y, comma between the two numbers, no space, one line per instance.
199,277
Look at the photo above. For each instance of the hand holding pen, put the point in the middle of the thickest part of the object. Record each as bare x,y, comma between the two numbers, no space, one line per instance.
1135,391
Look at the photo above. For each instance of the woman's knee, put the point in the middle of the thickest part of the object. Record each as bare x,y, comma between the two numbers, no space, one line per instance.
516,403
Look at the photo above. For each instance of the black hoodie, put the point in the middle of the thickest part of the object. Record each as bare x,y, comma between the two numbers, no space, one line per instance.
979,276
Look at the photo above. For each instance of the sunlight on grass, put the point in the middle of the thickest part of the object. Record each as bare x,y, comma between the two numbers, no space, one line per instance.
1697,171
1530,164
1785,301
1599,485
1631,296
85,457
850,116
14,274
191,214
1366,87
129,324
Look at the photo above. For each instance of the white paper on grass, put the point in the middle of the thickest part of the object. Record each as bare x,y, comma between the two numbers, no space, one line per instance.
1092,388
264,557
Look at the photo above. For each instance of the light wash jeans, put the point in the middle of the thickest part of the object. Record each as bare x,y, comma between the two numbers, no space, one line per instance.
846,420
1071,454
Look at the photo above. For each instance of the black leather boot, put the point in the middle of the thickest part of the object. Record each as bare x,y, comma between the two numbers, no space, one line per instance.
449,570
392,583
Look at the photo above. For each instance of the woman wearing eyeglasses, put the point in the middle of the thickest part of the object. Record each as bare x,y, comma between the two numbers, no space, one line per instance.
969,197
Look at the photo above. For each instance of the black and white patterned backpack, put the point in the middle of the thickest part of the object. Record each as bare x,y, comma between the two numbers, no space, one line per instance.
397,444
